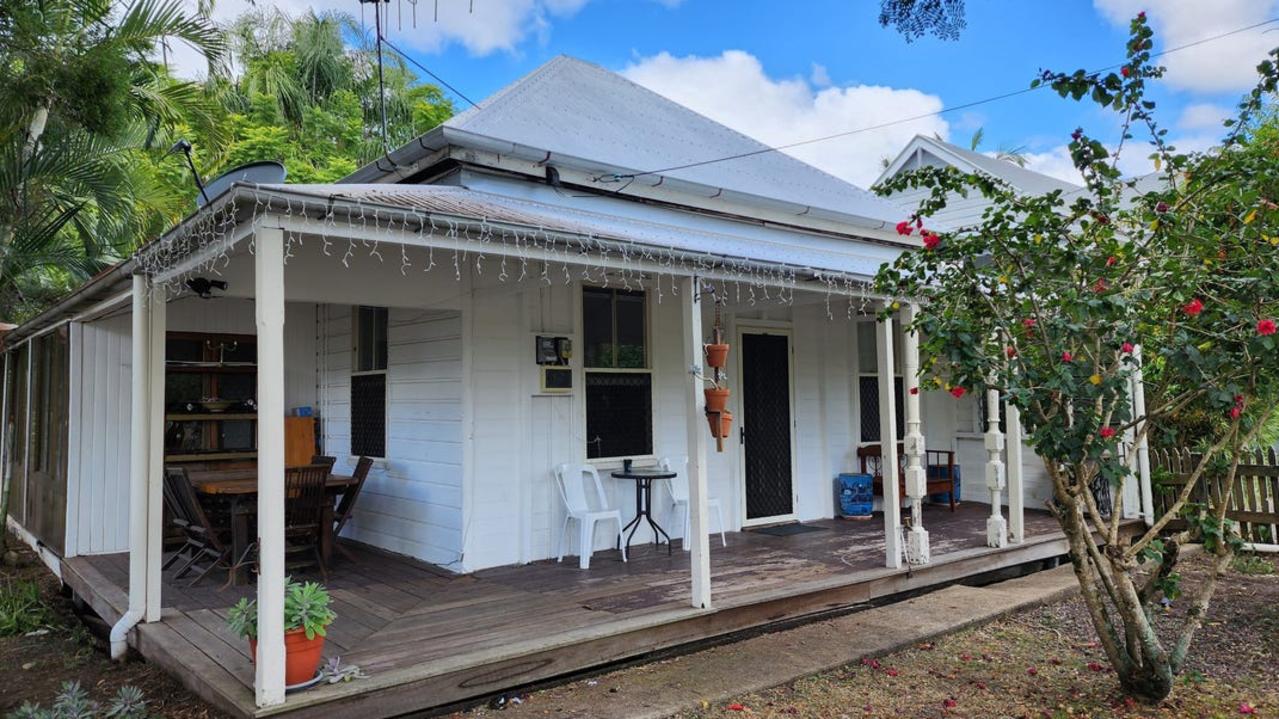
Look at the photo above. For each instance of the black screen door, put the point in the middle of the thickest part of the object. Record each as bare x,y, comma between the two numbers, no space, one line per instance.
766,406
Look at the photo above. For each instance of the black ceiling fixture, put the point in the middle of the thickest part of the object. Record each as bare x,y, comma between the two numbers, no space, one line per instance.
203,287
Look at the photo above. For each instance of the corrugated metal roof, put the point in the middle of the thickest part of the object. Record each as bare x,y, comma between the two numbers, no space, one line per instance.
577,109
1027,181
832,254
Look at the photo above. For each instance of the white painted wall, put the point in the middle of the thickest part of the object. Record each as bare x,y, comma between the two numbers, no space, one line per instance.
98,460
412,501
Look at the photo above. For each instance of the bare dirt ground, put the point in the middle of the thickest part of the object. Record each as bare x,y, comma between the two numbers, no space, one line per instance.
36,664
1045,663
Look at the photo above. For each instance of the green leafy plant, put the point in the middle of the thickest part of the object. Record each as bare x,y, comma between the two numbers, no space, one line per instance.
1061,301
306,607
73,702
1252,564
22,609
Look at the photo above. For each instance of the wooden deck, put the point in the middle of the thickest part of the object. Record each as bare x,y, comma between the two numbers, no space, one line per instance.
428,638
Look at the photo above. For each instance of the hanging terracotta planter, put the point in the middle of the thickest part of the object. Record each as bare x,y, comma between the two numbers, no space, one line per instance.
721,423
717,355
716,398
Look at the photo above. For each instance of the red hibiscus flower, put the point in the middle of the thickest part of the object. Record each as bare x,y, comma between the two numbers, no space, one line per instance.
1193,307
1125,71
1265,327
1110,261
1100,285
914,390
1010,351
931,240
1127,348
904,228
957,392
1107,432
1028,322
1066,356
1235,412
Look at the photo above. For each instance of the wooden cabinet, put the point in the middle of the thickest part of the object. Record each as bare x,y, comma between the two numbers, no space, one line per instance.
299,440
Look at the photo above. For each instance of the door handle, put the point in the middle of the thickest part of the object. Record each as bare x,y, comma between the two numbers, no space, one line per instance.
741,434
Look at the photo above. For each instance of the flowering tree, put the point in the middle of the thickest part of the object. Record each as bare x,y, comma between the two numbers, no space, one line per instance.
1051,298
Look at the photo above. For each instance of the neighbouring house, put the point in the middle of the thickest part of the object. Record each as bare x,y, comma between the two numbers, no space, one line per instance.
528,285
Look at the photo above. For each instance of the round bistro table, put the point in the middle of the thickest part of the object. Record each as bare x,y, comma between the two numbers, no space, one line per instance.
644,479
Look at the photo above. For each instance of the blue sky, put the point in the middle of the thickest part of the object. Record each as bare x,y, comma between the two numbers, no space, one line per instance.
783,72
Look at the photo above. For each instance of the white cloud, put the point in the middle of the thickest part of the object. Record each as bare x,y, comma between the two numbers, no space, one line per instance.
732,88
819,76
1054,162
482,28
1228,64
1203,116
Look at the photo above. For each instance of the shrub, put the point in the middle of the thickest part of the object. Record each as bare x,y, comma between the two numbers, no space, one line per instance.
22,609
73,702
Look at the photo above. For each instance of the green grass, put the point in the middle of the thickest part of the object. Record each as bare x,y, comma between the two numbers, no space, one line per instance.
22,609
1252,564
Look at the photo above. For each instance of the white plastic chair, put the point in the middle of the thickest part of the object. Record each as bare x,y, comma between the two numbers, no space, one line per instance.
570,478
678,488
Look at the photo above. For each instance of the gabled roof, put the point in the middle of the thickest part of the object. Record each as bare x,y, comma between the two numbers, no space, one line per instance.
573,113
1027,181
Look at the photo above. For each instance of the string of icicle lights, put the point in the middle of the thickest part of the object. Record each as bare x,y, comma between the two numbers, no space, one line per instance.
420,241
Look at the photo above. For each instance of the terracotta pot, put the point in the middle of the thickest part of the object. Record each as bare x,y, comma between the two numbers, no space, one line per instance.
717,355
721,423
301,656
716,398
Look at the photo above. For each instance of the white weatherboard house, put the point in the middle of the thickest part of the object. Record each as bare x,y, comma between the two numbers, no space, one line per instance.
528,285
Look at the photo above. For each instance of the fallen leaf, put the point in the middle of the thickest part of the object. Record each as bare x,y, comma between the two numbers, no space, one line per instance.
1246,708
736,708
891,672
1032,671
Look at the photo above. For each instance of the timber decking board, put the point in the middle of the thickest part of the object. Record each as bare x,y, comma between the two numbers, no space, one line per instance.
431,638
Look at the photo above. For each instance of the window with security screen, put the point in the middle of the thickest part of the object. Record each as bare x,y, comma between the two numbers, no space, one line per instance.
868,384
619,383
368,382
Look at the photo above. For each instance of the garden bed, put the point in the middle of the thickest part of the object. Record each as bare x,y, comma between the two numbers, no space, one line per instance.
58,647
1045,663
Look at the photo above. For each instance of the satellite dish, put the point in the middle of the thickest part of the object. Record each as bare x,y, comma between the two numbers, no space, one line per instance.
266,172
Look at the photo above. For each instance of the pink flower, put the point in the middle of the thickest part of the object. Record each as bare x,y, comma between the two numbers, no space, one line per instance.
1096,666
891,671
1127,348
931,239
1193,307
1028,323
1067,356
1107,432
957,392
904,228
1246,708
1078,133
735,708
1235,412
1265,327
949,703
1032,671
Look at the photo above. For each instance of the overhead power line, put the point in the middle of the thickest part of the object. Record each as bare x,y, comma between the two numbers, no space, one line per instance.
426,70
912,118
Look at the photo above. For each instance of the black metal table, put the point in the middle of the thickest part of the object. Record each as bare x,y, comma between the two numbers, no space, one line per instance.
643,479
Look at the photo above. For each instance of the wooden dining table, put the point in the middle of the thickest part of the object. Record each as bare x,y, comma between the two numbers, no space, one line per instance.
240,488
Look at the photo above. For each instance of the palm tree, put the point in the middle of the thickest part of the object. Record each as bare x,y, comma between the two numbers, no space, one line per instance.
79,97
1015,155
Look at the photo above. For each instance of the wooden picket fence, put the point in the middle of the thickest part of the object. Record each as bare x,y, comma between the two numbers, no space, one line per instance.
1254,501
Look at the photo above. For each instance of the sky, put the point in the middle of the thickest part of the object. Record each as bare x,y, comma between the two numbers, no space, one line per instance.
786,72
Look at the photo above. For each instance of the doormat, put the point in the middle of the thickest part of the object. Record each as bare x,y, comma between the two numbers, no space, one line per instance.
786,530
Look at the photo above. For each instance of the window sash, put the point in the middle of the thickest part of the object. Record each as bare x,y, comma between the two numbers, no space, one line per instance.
614,352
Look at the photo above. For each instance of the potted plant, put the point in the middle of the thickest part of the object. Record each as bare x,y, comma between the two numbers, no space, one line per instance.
306,617
716,398
717,355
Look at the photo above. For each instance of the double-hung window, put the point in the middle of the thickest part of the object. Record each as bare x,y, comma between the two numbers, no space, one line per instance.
619,381
368,382
868,383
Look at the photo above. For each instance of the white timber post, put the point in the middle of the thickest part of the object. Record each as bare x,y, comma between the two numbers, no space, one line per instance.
269,304
139,466
157,319
700,555
1016,476
1143,440
917,551
996,526
888,444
